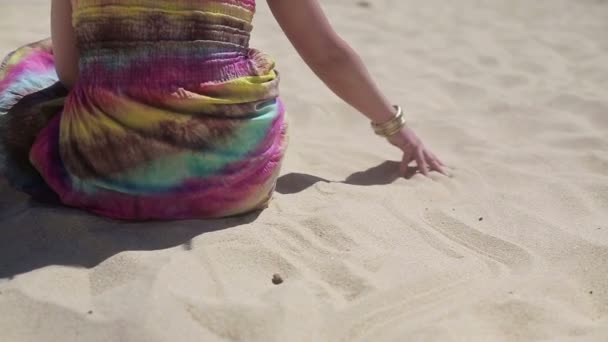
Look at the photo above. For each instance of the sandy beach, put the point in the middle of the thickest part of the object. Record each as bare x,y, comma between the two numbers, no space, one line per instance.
513,246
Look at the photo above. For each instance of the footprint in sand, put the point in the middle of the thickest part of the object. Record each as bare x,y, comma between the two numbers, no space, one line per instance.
488,61
318,245
514,257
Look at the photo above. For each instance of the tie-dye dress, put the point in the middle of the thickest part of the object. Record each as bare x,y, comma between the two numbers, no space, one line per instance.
173,116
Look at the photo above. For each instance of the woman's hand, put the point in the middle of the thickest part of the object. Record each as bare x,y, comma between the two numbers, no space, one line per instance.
413,149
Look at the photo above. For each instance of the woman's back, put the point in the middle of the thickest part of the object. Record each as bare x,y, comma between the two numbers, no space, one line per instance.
167,43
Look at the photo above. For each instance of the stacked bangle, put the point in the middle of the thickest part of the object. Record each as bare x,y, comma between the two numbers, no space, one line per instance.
392,126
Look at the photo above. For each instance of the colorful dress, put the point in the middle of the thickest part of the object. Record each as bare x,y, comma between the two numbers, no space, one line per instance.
173,116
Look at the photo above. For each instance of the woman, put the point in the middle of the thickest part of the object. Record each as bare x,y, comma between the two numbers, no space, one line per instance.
158,109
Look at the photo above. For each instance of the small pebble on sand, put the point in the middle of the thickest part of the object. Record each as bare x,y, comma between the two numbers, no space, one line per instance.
364,4
590,292
481,219
277,279
90,312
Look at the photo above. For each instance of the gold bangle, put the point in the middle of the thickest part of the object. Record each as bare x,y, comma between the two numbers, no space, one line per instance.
392,126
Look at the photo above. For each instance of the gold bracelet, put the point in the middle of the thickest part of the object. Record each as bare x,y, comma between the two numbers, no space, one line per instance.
392,126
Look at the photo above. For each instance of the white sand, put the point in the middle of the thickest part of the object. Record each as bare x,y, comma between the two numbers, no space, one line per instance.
512,94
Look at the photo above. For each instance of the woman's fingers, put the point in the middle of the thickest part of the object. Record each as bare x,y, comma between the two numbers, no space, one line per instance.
433,162
437,159
421,161
413,149
405,162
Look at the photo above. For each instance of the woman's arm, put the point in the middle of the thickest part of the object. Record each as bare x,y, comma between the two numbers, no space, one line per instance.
330,57
64,42
343,71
